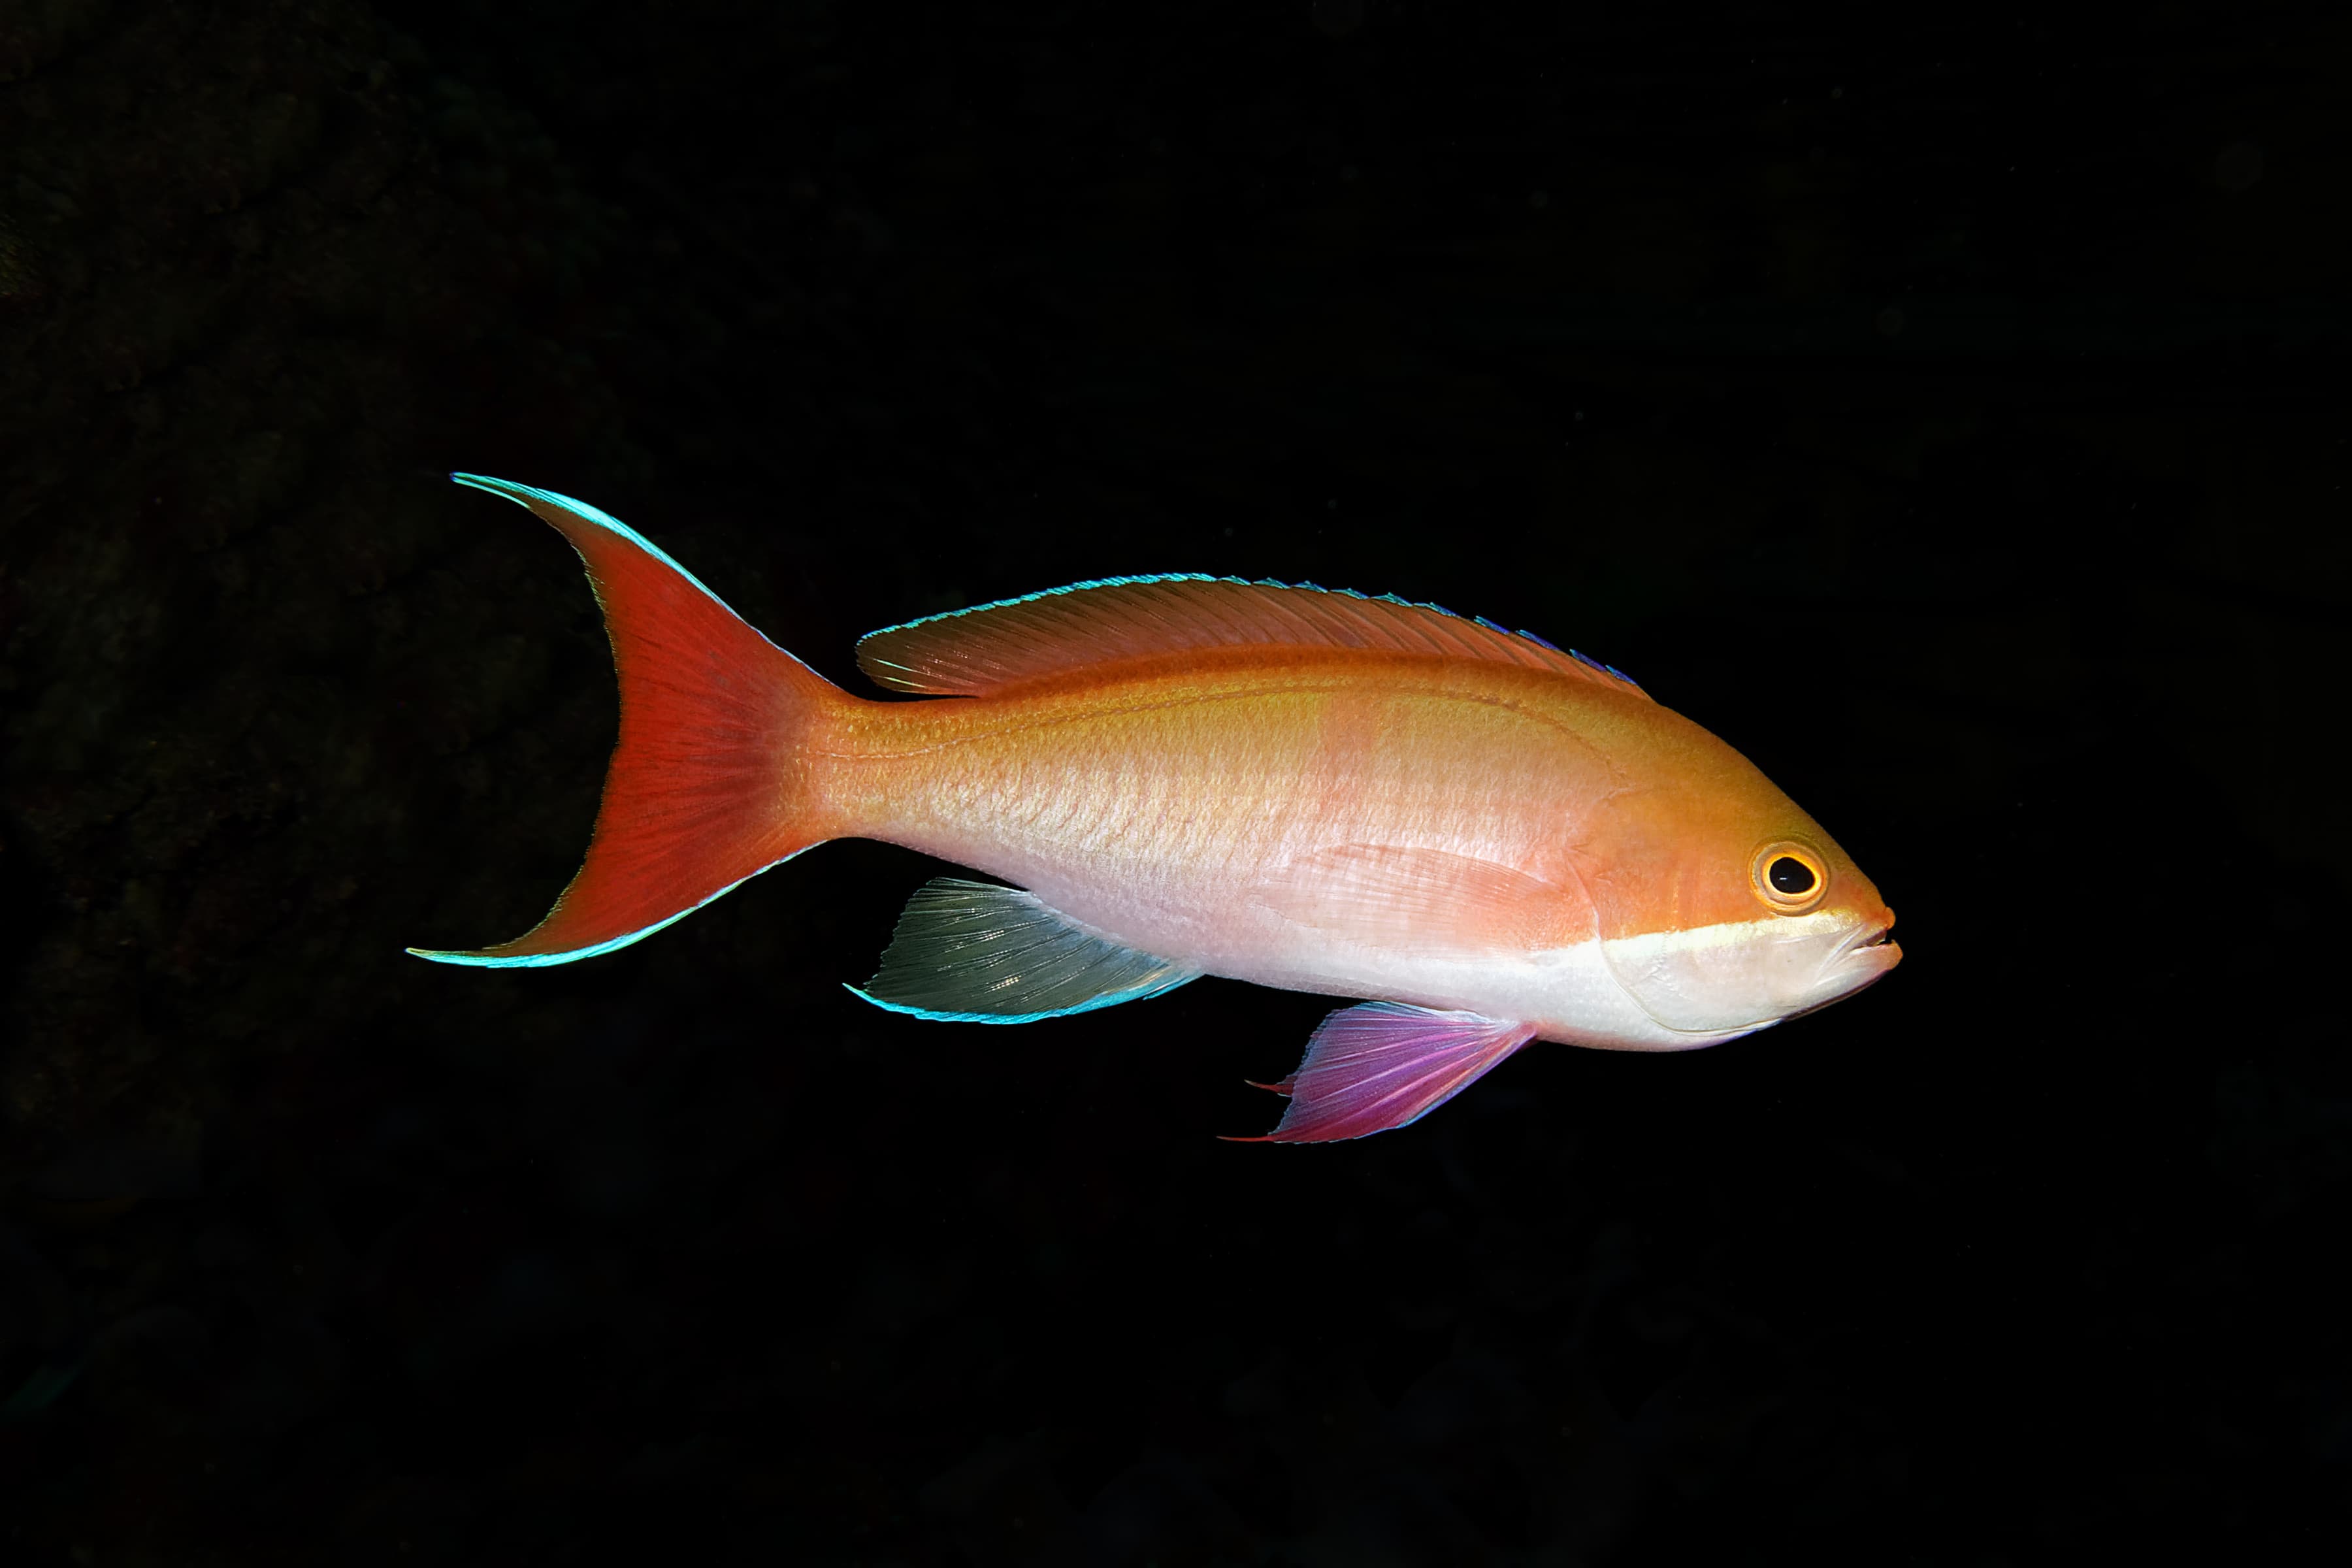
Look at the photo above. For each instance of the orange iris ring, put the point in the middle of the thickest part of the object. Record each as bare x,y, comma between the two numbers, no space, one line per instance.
1780,903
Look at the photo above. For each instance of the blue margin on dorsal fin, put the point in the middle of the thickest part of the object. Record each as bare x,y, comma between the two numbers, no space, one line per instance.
1589,661
1147,579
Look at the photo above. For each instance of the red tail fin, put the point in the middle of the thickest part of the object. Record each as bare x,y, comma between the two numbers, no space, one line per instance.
703,790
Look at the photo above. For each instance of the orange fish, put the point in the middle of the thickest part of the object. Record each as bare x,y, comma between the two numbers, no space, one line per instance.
1495,840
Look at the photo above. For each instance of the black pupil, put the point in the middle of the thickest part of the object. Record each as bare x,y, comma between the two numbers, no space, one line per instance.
1791,877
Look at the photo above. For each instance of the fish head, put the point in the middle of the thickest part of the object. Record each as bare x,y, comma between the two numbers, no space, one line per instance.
1722,908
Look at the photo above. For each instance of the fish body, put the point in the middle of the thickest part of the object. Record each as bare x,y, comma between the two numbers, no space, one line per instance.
1491,840
1355,823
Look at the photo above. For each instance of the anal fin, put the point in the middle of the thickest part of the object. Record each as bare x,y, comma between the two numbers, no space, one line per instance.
976,953
1381,1065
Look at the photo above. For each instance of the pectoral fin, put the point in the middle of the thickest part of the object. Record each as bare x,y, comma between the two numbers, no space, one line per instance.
975,953
1384,1064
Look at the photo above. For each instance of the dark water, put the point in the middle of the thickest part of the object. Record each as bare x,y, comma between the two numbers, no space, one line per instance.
1950,412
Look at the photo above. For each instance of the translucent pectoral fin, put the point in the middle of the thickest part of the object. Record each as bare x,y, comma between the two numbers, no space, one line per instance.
1384,1064
979,953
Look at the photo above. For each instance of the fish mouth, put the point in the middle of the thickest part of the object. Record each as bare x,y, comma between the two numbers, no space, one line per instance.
1872,943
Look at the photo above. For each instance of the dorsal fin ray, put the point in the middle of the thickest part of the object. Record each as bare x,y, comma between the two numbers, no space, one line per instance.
967,653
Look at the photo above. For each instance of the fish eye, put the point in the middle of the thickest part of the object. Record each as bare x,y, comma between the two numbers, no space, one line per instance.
1790,877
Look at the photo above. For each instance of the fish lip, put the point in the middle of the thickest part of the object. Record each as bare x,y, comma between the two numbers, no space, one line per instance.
1873,944
1880,935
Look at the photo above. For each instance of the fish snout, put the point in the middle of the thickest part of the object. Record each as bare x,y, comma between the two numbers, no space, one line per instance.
1869,934
1871,950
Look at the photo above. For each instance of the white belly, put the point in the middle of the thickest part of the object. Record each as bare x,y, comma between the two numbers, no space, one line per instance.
1568,993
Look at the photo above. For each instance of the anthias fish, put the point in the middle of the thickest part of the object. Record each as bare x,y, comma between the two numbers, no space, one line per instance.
1490,839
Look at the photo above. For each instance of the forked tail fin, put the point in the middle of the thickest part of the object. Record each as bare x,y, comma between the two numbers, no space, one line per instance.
706,787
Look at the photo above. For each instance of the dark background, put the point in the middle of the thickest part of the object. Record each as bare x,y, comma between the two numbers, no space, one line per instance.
1948,410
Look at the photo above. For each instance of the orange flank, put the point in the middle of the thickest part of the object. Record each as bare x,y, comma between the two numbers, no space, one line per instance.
1489,839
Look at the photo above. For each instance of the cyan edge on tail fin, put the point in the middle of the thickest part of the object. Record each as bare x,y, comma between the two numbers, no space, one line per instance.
706,787
524,495
486,959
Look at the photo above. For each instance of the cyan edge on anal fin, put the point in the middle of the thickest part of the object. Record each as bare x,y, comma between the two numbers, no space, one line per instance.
979,953
930,1015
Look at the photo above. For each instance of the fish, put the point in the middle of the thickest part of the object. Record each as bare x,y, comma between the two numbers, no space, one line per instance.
1482,837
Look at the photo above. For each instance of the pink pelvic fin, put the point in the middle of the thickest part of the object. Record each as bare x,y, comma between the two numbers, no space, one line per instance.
1384,1064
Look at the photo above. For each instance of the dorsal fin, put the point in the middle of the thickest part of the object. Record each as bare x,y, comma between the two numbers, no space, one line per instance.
965,653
